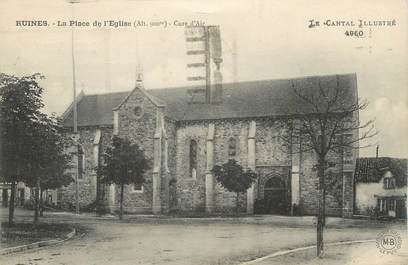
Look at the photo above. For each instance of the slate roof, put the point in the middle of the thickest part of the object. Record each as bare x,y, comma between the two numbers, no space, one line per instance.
95,110
371,169
240,100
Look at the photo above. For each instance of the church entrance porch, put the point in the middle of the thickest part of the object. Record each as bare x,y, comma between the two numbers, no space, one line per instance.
273,191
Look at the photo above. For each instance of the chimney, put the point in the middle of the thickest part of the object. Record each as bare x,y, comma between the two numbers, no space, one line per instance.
376,151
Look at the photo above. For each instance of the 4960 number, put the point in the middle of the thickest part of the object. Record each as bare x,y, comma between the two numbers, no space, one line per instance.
354,33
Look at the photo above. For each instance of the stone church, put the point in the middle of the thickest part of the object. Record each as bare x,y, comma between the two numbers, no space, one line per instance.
184,136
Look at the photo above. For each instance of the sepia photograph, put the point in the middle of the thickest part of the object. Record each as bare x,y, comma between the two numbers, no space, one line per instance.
203,132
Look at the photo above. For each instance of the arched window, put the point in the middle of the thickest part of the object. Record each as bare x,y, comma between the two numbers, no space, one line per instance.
232,147
193,159
81,162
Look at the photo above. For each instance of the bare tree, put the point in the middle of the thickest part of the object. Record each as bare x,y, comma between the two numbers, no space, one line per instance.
326,122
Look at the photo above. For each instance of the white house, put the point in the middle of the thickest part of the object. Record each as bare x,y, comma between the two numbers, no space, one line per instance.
381,187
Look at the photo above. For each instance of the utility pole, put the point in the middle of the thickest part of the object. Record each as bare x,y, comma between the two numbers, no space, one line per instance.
75,113
74,82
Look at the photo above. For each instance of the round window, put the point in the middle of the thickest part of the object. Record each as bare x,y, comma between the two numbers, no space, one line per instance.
138,111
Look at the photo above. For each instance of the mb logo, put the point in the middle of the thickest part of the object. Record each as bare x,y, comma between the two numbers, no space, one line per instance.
388,242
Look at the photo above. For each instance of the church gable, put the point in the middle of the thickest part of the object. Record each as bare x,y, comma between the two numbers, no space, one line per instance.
143,93
137,119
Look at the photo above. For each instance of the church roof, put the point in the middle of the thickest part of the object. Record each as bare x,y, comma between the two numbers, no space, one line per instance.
249,99
94,110
372,169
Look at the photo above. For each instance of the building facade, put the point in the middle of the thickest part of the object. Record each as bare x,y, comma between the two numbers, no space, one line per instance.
381,187
22,194
185,137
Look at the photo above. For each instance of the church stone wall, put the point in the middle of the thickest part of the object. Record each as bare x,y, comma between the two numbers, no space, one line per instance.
189,194
87,185
191,191
171,131
270,150
309,185
169,192
225,130
270,155
334,186
137,122
272,158
105,142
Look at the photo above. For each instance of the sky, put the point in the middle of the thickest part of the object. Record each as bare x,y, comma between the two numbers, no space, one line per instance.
262,39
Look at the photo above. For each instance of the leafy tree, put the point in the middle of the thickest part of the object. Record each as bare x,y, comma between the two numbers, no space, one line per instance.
31,141
20,104
124,163
48,162
234,178
326,124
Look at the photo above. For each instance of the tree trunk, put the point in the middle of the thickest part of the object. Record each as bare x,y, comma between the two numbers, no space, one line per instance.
41,203
121,202
37,202
237,203
11,203
321,209
320,227
100,196
98,201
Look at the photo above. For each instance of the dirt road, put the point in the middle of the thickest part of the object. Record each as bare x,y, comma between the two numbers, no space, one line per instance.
180,241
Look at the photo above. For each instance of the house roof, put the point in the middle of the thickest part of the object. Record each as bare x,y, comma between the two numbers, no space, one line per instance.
372,169
239,100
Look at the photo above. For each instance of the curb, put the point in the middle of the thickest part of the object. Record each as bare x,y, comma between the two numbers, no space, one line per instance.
38,244
284,252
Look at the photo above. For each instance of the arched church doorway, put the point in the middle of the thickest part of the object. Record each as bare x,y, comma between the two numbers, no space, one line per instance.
276,196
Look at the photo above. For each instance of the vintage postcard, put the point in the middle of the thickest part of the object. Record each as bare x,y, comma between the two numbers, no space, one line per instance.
203,132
